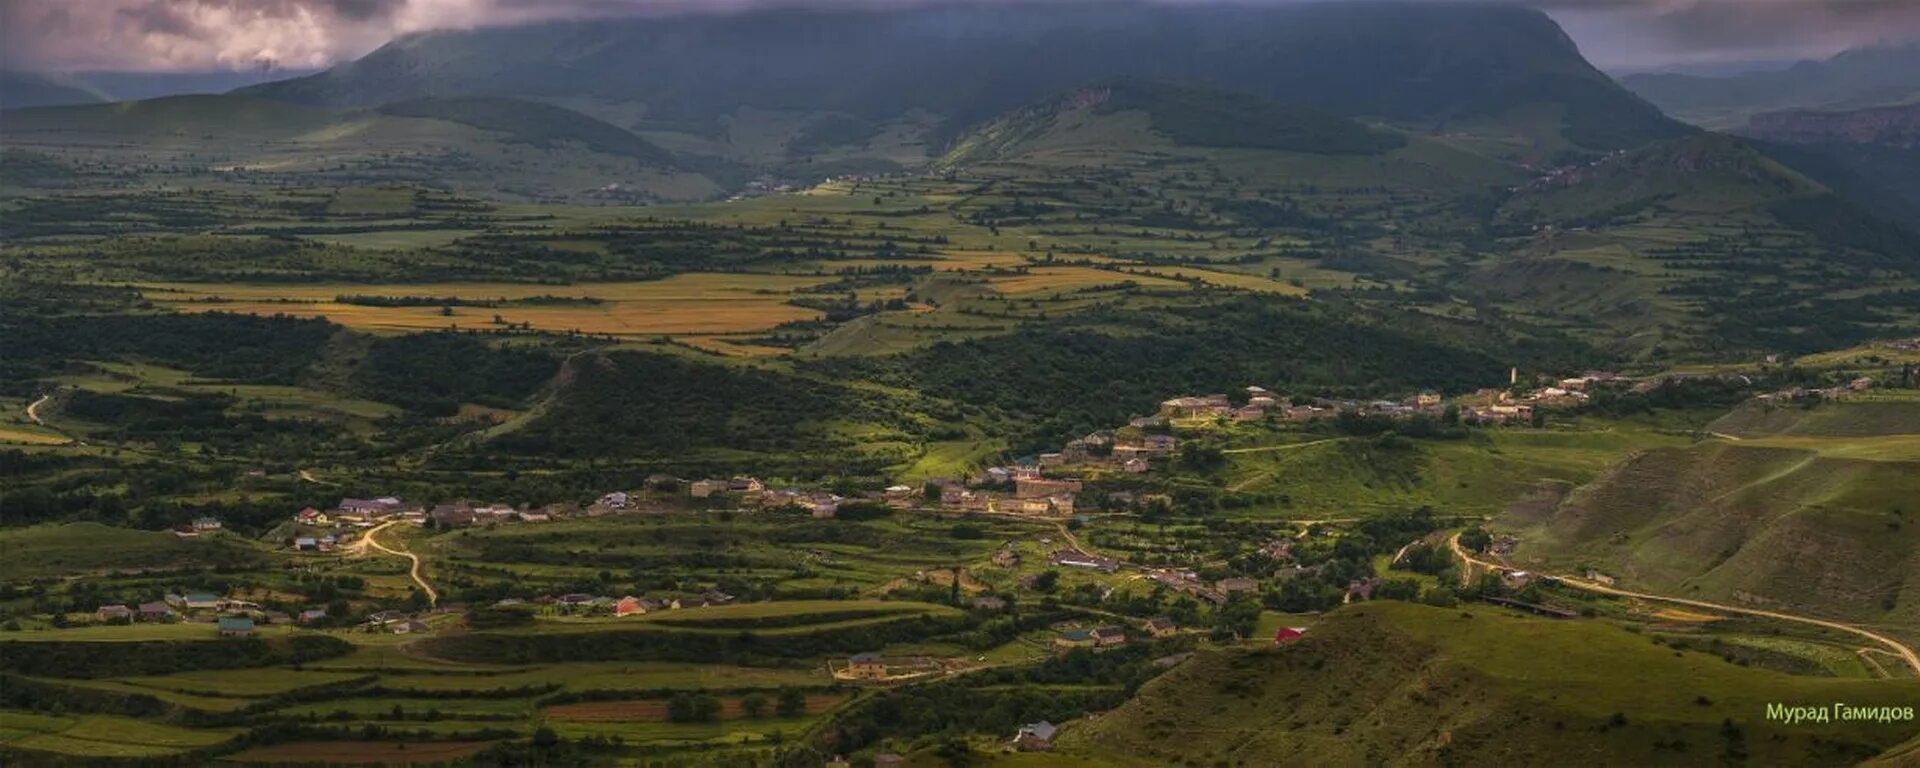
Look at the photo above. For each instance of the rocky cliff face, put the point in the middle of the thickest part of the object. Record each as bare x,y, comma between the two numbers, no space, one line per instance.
1891,126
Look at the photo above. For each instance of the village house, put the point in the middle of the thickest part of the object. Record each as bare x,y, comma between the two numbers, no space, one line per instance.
1288,634
535,517
714,597
114,613
1074,638
158,611
701,489
867,666
1144,446
204,524
745,485
306,543
629,606
1161,626
1028,488
1362,588
1074,558
1234,584
1597,577
235,626
617,500
1194,407
312,615
1006,558
195,601
1135,465
1109,637
185,532
384,618
311,516
1034,737
990,603
451,515
1248,413
899,496
369,508
494,513
409,627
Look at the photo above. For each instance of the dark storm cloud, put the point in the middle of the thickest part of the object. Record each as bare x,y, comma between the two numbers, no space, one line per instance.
231,34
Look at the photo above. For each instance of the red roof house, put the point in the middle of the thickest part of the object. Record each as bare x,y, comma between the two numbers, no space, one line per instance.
1288,635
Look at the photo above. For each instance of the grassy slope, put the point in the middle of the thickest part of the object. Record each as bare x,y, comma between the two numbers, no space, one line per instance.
58,549
1801,522
1394,683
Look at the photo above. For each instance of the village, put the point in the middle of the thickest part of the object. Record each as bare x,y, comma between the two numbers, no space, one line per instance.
1046,486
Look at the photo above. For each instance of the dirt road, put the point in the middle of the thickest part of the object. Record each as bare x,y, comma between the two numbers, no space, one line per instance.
368,540
1906,654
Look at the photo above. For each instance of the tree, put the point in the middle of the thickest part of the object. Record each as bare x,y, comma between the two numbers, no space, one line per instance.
754,704
1476,539
792,703
1046,581
545,738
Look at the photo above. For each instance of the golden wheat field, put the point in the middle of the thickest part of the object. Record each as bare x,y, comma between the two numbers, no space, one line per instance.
684,304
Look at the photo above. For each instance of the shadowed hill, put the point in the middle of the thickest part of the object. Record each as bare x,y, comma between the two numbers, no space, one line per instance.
534,123
1094,116
214,115
1415,62
1402,684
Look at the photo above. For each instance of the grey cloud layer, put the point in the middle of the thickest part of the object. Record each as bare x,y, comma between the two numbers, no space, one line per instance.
238,34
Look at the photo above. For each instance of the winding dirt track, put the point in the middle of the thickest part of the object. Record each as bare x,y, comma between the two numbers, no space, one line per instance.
1899,649
433,597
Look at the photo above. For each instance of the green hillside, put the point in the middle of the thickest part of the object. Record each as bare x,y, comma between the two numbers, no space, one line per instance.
1812,512
1404,684
1098,115
177,115
534,123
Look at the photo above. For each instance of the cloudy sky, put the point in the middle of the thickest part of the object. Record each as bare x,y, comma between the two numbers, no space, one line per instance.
200,35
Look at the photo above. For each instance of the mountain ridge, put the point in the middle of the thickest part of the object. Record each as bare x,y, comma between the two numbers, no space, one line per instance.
1399,61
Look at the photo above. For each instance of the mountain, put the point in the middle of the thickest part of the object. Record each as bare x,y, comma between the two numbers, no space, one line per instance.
1872,155
1417,63
1102,115
31,89
46,89
1876,76
1897,126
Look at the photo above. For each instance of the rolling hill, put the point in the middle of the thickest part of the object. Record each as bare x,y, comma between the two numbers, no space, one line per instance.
1404,684
534,123
1418,63
1106,115
1801,510
495,147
